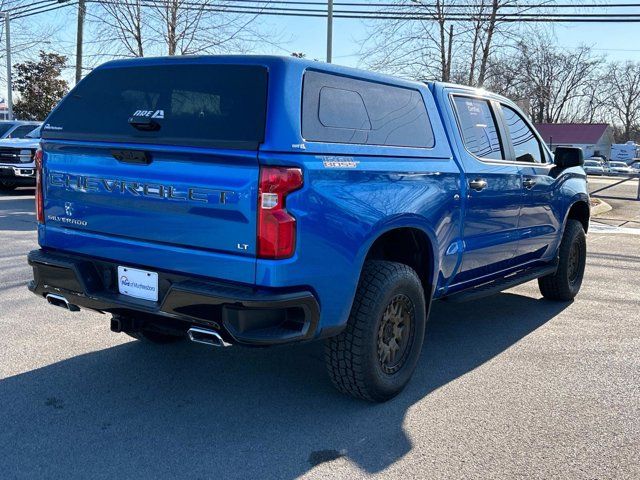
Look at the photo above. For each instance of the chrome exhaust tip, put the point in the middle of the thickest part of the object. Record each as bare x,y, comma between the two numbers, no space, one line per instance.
60,301
207,337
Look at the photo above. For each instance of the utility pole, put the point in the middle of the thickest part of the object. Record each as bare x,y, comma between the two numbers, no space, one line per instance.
329,30
82,10
7,23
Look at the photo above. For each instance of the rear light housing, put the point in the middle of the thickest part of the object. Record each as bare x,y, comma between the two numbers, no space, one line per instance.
37,157
276,227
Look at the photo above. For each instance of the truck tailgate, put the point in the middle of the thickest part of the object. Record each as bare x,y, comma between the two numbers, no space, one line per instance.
193,210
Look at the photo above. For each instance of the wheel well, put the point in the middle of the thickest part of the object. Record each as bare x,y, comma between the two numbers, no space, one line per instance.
410,246
580,211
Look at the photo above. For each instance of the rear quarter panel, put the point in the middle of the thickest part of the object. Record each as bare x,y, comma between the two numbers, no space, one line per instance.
352,194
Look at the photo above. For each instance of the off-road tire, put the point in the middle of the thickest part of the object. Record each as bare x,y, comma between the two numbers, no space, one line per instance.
565,284
353,357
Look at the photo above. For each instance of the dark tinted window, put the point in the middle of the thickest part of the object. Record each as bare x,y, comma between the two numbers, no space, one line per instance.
337,109
525,144
22,131
478,128
200,105
5,127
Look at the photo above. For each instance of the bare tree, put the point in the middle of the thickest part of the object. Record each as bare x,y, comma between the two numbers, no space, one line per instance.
122,21
623,100
447,41
421,49
558,85
27,37
173,27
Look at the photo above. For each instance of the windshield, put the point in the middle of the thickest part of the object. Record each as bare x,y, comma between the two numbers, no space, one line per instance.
5,127
34,133
178,104
21,131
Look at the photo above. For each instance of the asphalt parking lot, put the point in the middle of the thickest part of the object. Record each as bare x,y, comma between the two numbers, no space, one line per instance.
509,386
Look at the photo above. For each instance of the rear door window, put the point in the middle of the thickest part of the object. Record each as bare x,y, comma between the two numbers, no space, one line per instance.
478,127
338,109
179,104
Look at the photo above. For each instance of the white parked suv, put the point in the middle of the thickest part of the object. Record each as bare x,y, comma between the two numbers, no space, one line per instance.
17,166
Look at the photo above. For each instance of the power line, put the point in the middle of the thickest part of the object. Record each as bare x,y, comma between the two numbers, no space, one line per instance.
424,4
51,9
36,5
260,7
396,15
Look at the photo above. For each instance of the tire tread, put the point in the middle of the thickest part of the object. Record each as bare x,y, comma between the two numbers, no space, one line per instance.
556,286
344,352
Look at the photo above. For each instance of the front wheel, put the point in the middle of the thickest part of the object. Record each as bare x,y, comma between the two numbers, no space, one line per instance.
565,284
375,356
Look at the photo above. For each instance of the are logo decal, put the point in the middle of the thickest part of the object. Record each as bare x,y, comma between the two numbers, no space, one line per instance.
149,113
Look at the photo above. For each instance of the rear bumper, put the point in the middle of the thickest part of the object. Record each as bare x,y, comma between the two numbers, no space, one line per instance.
244,315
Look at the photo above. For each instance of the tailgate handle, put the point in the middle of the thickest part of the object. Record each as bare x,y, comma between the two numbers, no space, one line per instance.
137,157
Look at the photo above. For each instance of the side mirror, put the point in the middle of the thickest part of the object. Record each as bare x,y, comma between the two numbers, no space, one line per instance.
566,157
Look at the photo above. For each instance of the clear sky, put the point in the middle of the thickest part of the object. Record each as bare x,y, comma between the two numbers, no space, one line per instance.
308,35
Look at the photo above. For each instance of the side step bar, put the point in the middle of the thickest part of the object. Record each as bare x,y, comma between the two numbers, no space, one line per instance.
497,286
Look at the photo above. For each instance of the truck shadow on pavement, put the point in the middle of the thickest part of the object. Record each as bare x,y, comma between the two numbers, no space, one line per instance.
145,411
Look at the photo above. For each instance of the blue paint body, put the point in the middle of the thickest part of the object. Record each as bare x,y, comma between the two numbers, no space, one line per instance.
340,212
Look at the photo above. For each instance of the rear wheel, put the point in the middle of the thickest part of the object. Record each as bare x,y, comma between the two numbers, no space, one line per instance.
376,354
7,185
565,284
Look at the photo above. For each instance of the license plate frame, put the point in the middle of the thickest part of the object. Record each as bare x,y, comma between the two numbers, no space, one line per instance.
136,283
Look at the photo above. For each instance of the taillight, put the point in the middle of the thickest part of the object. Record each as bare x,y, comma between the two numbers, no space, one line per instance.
39,200
276,227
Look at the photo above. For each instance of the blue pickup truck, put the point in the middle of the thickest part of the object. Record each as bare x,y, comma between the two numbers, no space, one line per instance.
259,201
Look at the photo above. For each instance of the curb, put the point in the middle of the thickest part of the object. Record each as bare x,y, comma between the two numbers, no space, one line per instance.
600,207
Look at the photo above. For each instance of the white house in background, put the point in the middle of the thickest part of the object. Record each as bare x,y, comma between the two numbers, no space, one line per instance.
595,139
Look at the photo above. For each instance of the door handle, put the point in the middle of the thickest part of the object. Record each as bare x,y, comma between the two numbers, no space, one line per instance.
478,184
529,183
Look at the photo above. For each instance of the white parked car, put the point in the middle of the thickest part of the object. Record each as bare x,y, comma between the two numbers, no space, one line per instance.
593,167
620,168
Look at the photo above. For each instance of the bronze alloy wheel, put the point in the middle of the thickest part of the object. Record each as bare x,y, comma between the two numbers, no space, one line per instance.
396,334
573,268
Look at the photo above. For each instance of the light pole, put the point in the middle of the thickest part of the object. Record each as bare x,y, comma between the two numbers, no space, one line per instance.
329,30
82,11
7,26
